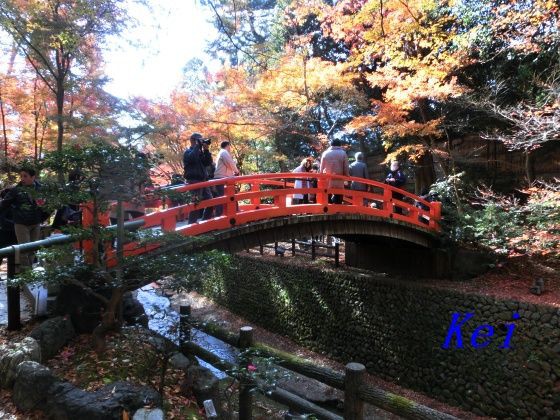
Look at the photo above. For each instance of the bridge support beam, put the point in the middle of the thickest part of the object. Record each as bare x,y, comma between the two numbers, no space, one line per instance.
397,257
400,257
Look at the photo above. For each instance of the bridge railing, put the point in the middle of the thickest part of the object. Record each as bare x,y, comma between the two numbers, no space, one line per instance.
259,197
264,196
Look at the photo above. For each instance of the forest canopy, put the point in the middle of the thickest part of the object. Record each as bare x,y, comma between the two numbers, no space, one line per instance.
394,77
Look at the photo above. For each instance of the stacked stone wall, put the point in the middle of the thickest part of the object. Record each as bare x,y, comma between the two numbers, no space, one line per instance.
397,330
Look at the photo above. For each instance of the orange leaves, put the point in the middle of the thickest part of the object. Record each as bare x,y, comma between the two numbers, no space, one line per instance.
403,49
298,82
404,89
394,122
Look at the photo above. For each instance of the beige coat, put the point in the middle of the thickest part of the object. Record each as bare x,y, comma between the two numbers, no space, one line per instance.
334,161
301,183
225,165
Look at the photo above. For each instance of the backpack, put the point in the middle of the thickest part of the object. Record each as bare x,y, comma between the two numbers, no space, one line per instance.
66,215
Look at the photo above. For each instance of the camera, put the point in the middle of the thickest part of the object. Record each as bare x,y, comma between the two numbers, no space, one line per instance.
206,141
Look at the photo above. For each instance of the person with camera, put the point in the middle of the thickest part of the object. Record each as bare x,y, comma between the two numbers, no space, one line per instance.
195,161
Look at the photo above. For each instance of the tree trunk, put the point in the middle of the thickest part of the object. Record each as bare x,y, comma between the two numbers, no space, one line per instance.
4,132
529,167
36,114
43,129
59,113
109,321
424,174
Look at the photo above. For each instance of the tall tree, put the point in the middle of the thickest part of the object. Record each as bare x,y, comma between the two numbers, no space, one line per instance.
244,30
57,36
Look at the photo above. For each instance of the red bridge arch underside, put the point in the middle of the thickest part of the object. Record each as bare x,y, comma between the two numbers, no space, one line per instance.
260,197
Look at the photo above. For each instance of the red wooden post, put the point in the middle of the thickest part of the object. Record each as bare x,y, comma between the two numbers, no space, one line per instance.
231,204
388,200
255,187
169,222
435,215
322,196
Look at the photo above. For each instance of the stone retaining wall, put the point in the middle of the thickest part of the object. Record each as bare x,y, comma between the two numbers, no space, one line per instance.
397,330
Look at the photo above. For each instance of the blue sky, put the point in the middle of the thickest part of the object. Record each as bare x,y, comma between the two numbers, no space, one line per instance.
148,59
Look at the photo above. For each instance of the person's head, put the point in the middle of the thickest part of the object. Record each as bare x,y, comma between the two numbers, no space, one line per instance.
196,138
27,176
336,142
359,157
394,165
307,163
75,176
225,145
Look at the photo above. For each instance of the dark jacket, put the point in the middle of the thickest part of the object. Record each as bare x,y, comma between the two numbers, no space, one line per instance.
7,231
6,218
195,161
399,177
24,208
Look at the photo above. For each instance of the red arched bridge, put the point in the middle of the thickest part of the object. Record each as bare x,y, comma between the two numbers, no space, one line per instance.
258,209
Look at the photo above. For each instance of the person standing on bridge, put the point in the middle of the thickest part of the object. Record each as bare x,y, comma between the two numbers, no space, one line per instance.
396,178
305,166
335,162
195,160
225,168
359,169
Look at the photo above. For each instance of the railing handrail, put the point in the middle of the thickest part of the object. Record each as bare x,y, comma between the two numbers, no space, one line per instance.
59,240
244,179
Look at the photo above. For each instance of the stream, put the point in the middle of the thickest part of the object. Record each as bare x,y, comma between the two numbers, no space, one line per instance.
164,320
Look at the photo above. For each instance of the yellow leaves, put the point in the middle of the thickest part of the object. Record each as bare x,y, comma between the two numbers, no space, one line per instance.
300,9
413,153
394,122
297,82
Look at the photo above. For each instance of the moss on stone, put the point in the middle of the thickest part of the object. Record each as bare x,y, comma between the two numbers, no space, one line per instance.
395,328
